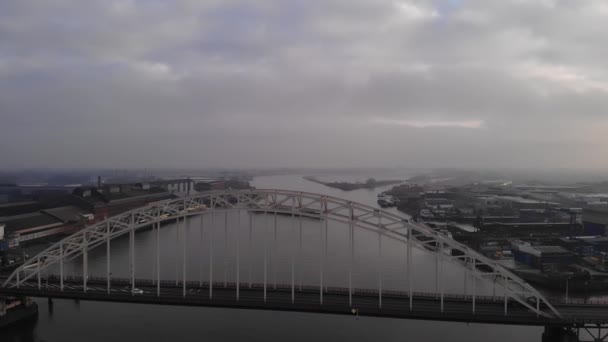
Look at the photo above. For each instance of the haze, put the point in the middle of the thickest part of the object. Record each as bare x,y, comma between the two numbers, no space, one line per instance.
333,83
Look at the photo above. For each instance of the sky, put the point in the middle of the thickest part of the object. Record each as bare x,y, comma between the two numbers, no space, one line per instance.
295,83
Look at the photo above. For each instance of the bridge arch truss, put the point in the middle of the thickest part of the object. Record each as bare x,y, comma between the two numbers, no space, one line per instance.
294,203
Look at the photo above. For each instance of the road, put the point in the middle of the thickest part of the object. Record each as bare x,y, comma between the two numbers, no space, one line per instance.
335,301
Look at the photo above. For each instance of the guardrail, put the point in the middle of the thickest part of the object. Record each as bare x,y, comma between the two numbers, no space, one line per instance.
311,288
166,283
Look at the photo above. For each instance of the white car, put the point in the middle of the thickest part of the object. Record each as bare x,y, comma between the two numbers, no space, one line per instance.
137,291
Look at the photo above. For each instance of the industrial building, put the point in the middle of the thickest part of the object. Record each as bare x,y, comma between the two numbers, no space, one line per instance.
49,210
44,223
405,193
3,241
526,228
595,222
540,256
24,192
111,199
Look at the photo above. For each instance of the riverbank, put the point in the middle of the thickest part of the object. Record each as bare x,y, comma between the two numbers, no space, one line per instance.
349,186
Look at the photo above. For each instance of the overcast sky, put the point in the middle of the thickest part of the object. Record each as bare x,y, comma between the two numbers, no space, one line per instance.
332,83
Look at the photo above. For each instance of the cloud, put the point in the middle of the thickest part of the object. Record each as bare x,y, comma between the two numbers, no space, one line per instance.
272,83
413,11
560,75
429,123
154,70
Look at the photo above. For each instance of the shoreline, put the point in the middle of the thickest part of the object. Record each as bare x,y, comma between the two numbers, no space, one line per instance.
347,186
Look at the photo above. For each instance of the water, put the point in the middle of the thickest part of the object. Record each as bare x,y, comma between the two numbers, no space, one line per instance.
91,321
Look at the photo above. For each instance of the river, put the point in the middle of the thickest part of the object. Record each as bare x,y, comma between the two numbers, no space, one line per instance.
94,321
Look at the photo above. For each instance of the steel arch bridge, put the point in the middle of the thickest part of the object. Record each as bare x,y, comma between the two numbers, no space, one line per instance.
297,205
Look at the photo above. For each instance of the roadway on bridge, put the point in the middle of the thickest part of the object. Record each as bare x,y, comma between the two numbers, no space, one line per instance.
335,301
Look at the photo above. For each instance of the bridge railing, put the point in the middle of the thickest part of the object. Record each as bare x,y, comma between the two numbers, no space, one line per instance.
169,283
117,281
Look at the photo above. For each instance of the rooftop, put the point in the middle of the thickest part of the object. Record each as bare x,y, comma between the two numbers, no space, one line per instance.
598,239
19,208
16,204
66,214
30,221
113,196
521,200
595,218
552,249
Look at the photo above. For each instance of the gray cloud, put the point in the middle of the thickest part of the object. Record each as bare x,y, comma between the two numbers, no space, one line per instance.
303,83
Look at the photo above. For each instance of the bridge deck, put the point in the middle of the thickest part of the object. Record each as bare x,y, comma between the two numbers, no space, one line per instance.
335,301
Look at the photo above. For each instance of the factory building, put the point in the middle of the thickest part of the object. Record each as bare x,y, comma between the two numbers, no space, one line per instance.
44,223
541,256
595,222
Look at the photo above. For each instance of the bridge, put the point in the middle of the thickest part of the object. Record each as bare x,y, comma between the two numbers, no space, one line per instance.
515,301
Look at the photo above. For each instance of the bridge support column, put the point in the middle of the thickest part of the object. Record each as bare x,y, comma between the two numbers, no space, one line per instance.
441,273
300,252
132,250
474,285
326,246
176,249
238,256
436,270
275,254
321,262
506,297
561,334
200,267
293,251
379,266
85,266
225,249
61,267
107,257
265,252
409,267
184,254
158,259
466,277
352,256
38,274
211,250
250,246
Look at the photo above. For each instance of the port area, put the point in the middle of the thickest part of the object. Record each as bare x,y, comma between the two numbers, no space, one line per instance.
553,236
370,183
15,310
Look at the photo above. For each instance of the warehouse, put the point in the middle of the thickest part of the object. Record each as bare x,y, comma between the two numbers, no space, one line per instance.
538,256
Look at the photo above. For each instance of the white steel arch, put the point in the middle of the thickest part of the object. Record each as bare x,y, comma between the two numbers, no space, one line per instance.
294,203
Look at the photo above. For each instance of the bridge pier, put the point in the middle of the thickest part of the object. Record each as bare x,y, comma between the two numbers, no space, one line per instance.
559,334
50,306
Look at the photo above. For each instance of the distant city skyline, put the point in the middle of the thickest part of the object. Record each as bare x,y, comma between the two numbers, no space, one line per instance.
337,83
